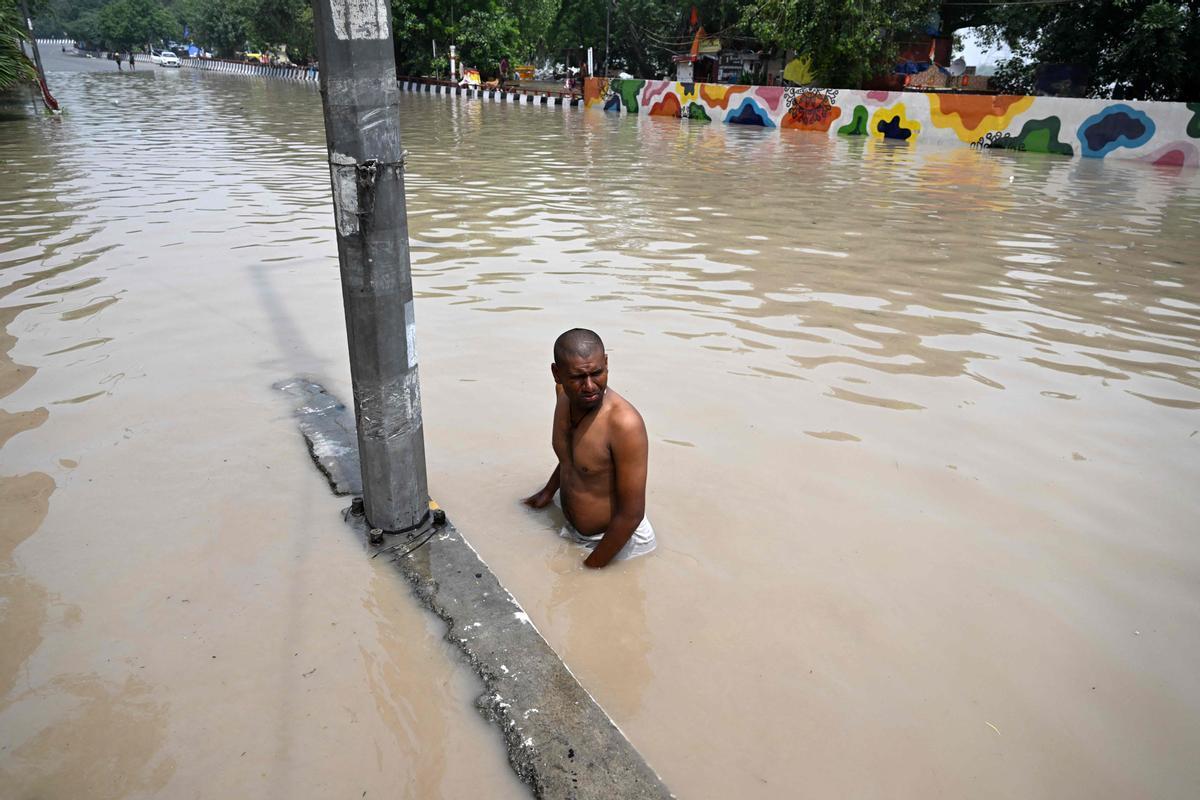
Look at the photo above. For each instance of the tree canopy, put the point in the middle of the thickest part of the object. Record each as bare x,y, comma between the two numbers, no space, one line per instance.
125,24
1138,49
848,43
14,66
1135,49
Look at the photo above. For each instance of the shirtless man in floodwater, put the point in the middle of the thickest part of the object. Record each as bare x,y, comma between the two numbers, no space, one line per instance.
602,450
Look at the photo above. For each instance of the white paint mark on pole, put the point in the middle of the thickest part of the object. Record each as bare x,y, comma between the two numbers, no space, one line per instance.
360,19
345,193
410,333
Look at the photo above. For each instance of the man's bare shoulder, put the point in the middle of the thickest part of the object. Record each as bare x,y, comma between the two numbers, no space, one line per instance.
623,418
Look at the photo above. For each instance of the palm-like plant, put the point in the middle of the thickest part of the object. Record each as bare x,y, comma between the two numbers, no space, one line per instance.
15,67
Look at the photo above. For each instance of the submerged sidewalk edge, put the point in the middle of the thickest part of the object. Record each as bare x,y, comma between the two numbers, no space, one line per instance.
559,741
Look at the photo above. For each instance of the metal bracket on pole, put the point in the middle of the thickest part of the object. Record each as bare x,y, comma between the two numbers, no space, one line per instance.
363,176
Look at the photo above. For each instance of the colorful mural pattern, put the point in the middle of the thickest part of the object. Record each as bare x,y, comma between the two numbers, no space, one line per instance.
892,122
1036,136
1115,126
810,109
1175,154
668,106
1154,132
974,115
857,126
626,91
750,112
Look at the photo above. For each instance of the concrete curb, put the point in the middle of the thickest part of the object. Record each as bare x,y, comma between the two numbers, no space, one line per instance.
560,742
330,433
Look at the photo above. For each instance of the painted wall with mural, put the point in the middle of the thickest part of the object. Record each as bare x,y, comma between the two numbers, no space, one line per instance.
1159,133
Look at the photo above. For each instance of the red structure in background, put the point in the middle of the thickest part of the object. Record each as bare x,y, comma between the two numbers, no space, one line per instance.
918,52
47,98
921,49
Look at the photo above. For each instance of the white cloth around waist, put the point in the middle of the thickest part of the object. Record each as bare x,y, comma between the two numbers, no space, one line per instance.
640,543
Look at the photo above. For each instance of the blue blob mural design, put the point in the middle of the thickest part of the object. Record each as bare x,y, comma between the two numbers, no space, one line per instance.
750,113
892,129
613,103
1116,126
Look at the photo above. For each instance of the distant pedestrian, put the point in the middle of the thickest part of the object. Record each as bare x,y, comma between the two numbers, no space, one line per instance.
503,70
131,54
117,57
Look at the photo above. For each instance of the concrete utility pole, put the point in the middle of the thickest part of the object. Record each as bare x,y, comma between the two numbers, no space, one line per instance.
366,165
37,56
43,87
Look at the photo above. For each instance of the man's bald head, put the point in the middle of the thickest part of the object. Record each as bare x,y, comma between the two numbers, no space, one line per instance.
577,343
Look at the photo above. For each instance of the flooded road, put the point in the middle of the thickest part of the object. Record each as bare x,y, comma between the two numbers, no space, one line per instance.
924,449
183,613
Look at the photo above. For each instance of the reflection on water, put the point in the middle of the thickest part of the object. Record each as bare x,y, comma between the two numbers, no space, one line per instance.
624,637
923,423
25,499
1066,265
61,761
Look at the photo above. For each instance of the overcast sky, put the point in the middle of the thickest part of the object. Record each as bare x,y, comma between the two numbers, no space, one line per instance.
975,54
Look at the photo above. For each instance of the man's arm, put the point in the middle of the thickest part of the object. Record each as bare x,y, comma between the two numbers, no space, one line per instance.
630,452
542,499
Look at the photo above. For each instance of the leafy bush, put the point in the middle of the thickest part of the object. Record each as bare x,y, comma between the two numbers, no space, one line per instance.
14,66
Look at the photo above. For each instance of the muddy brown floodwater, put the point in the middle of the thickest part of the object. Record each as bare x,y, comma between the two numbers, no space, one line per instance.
925,443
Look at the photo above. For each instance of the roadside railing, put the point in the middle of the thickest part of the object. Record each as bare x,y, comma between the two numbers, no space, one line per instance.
513,93
290,72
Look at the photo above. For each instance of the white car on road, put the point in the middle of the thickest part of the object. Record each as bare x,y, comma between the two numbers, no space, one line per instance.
165,58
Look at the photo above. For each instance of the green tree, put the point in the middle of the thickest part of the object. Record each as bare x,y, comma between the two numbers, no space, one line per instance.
849,42
14,66
478,27
86,29
52,17
272,23
1133,49
487,36
417,24
577,23
534,19
521,29
129,23
644,34
220,25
